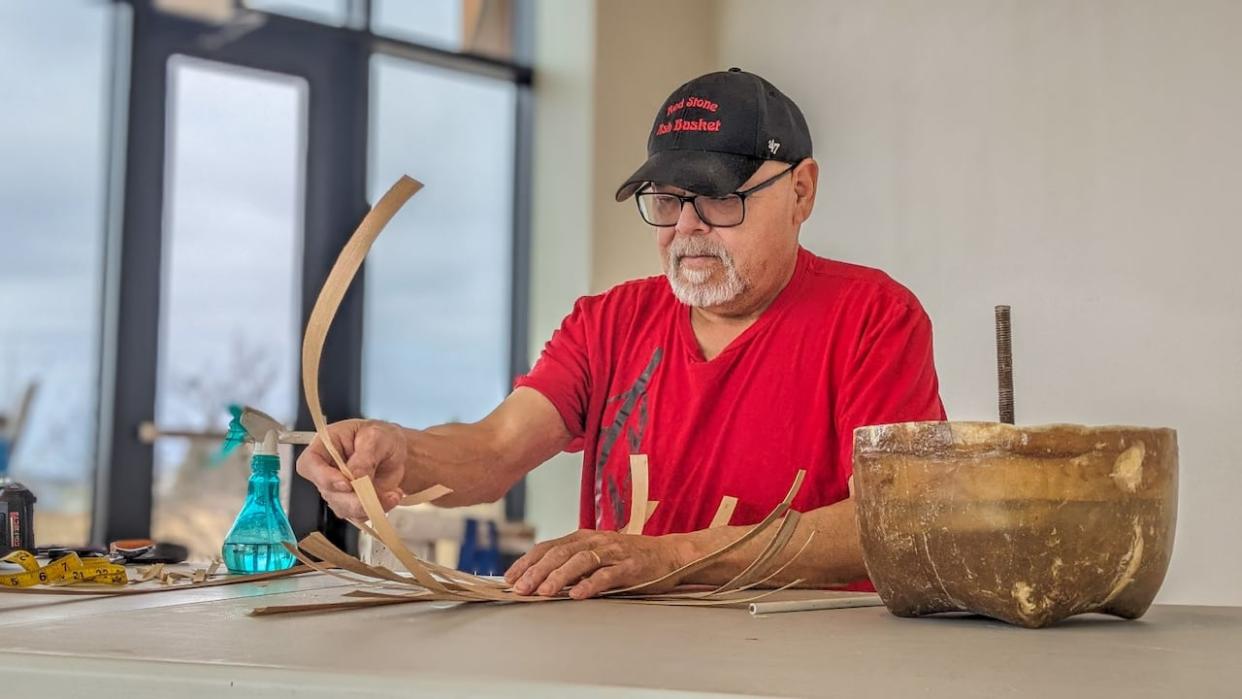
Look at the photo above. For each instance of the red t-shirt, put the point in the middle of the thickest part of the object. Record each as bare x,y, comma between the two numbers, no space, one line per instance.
842,346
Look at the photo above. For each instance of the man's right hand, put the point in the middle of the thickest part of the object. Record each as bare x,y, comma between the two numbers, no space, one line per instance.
370,448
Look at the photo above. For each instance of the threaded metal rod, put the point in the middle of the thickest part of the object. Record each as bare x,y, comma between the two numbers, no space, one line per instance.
1004,364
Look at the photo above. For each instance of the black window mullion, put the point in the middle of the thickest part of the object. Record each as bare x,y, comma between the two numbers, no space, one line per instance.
123,494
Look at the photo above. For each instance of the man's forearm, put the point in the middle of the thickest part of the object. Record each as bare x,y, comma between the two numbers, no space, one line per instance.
458,456
480,461
834,555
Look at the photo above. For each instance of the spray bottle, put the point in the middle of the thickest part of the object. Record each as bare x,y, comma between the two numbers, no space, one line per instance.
255,544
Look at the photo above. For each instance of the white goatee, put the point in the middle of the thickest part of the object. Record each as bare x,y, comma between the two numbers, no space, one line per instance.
694,287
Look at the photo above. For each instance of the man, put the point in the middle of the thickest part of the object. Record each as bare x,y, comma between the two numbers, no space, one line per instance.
749,360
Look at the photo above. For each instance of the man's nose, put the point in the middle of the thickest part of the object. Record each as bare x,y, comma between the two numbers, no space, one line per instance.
688,221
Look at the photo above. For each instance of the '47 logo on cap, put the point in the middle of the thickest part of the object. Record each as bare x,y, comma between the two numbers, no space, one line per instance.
773,145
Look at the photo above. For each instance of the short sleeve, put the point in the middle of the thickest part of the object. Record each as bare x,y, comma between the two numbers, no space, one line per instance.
562,371
891,377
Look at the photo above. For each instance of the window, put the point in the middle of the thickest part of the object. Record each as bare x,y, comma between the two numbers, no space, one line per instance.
435,22
154,281
53,202
334,12
437,331
229,327
472,26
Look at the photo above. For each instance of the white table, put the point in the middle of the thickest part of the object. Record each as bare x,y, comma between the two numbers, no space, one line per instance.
201,643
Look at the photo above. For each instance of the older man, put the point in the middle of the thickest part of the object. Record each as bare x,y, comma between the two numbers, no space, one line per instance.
751,358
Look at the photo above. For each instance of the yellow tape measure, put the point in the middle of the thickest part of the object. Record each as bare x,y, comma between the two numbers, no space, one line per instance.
66,570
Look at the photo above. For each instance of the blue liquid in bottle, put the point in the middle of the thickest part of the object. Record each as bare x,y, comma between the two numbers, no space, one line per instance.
254,544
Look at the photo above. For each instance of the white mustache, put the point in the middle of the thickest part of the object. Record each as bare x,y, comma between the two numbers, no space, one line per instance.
697,247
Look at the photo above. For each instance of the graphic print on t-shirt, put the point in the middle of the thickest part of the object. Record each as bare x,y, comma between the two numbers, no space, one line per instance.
633,397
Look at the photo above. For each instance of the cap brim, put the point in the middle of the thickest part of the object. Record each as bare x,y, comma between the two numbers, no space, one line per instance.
701,172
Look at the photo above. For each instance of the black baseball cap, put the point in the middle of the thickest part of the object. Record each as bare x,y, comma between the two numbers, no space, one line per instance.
715,131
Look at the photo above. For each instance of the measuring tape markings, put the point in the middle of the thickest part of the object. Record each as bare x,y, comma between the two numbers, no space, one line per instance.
66,570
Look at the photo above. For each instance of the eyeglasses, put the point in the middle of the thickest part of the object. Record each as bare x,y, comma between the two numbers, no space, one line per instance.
664,208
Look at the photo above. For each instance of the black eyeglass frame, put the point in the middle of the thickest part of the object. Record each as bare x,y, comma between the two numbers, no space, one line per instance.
693,199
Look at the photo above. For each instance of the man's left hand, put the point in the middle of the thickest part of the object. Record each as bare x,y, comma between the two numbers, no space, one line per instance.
594,562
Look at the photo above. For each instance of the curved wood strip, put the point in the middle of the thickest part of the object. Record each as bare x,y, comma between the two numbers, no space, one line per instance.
713,594
779,540
802,549
705,561
326,569
330,296
318,545
435,492
385,532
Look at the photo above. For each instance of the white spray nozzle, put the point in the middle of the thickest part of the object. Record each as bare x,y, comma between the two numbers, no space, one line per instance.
258,423
268,446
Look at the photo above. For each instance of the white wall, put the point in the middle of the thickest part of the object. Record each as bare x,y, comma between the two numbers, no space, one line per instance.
1079,160
601,72
639,62
562,210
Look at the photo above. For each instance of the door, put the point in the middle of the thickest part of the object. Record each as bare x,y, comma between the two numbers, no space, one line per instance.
245,173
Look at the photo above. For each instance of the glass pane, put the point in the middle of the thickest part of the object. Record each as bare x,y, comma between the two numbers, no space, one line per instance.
52,208
436,22
436,339
334,12
474,26
229,326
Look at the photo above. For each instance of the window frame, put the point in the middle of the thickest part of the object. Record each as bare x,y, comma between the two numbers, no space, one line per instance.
335,62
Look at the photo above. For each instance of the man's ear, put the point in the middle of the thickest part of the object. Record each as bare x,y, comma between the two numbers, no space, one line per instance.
806,183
